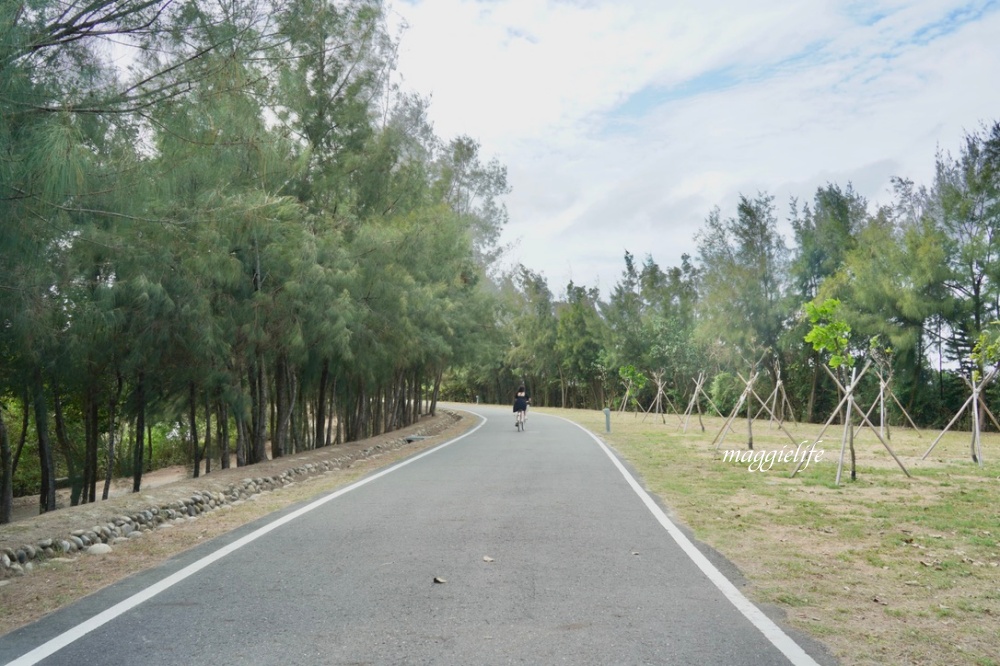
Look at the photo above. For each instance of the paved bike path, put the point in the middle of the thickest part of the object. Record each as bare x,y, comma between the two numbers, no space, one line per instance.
581,570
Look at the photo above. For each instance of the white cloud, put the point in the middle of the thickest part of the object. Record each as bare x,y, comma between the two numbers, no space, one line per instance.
623,124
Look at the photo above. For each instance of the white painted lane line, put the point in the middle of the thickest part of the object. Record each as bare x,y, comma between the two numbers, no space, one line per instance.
79,631
788,647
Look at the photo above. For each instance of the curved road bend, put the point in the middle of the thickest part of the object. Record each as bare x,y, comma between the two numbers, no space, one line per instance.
583,569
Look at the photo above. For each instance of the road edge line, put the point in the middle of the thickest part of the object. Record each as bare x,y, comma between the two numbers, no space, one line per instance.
782,641
73,634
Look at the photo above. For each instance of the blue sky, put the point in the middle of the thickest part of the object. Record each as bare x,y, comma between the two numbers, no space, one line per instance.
624,123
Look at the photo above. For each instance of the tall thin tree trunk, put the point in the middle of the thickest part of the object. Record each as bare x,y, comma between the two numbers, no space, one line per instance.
281,410
112,428
93,437
25,422
849,420
418,395
260,426
193,427
208,435
242,439
6,473
222,425
850,442
333,429
562,388
66,448
47,497
436,393
140,430
811,403
321,430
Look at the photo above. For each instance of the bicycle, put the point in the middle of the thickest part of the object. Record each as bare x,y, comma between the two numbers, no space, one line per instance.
519,421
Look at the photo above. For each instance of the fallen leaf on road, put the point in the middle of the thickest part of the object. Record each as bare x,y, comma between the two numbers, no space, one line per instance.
438,579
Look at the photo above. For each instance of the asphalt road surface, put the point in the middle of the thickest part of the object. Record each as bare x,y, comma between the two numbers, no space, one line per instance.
548,549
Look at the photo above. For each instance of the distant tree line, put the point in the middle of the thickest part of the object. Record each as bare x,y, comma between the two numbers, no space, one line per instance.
222,221
918,279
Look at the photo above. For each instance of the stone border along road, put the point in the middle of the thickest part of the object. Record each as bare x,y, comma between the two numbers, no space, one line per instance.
93,536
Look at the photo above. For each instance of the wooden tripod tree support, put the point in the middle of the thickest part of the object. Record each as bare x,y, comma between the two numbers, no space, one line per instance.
976,399
745,399
695,403
628,392
848,399
721,435
764,407
629,385
885,387
778,401
661,397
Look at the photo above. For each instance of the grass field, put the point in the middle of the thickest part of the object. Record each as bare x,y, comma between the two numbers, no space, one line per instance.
886,569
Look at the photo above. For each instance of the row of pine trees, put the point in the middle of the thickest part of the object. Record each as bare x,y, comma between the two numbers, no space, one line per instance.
226,217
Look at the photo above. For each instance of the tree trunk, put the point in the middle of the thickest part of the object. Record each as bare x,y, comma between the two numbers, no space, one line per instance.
207,450
25,422
193,427
222,425
91,428
321,429
66,448
47,496
977,424
810,405
333,429
436,393
418,398
6,473
283,409
562,388
333,435
242,439
260,403
112,427
140,430
850,438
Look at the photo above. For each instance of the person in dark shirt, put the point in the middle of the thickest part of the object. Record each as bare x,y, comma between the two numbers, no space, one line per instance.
521,401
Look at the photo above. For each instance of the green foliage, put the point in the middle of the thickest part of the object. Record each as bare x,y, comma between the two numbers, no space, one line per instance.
829,333
579,336
250,217
633,377
987,349
725,390
825,233
634,381
744,268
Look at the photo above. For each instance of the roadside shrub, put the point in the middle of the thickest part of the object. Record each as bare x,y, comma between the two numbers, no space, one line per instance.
725,391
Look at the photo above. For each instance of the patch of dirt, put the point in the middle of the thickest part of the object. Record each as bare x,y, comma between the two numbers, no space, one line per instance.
61,581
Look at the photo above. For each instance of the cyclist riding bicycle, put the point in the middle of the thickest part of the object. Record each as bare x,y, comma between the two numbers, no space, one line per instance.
521,401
